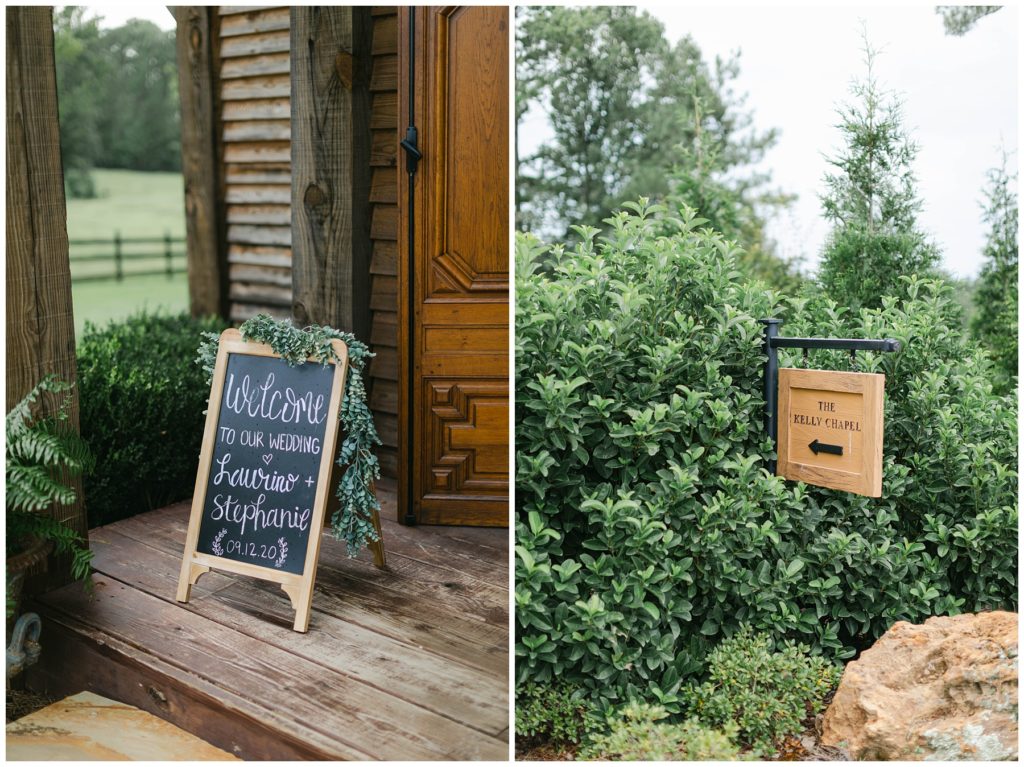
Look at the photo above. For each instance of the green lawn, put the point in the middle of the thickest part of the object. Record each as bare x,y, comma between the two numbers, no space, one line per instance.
139,204
135,204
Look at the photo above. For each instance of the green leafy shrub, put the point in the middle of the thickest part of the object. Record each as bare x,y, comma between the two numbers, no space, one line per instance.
79,183
763,693
648,528
557,714
950,485
640,735
143,400
42,454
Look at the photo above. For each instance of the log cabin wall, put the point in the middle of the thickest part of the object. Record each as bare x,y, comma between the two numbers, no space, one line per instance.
252,65
254,88
384,233
252,91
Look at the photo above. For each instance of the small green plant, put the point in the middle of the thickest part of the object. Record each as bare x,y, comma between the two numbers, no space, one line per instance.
352,522
43,454
557,714
639,734
142,401
764,693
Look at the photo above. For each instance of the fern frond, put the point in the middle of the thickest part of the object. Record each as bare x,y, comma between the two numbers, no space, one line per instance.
41,453
37,447
32,488
64,538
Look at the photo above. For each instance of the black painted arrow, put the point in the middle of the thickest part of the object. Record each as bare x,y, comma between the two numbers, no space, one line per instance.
823,447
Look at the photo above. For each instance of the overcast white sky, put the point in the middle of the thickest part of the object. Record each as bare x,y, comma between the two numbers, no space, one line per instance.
960,100
116,14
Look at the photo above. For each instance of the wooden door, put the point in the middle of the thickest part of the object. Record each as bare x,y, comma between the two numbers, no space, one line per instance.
453,291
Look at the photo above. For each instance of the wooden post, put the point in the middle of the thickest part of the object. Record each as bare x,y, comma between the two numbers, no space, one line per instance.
40,322
200,162
118,265
330,103
167,255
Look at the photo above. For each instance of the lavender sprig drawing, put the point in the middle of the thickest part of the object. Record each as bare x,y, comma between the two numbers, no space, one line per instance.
283,547
217,548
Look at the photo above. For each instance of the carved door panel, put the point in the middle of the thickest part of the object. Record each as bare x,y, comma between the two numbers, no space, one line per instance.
454,285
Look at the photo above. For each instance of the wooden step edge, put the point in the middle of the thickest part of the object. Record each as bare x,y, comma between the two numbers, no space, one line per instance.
99,663
320,738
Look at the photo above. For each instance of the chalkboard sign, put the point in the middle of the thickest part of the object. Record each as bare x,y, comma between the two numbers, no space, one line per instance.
262,484
266,459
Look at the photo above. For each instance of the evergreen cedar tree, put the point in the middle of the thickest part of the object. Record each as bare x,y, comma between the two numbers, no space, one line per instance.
995,321
117,95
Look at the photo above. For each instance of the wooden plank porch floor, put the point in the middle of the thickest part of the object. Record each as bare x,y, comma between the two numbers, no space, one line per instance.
406,663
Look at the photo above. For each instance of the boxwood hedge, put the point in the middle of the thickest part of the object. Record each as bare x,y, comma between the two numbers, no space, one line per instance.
143,399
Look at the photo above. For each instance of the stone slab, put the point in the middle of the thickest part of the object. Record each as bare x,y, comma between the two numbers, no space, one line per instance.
88,727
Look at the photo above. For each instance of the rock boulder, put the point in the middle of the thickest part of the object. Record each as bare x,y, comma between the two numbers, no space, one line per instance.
945,690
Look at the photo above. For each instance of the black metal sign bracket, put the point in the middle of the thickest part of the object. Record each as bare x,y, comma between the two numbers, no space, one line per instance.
773,342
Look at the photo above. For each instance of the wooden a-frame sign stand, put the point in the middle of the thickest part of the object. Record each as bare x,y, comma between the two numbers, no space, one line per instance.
298,586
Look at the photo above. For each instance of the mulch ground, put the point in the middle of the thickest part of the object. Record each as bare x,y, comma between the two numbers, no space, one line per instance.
805,748
24,702
545,752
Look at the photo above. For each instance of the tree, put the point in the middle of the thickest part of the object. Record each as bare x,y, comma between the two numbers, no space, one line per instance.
80,67
117,94
995,320
730,205
960,19
633,115
871,200
140,120
592,67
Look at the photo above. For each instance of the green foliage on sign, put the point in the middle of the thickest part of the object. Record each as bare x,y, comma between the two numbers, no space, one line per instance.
648,528
141,404
765,694
642,732
352,522
995,320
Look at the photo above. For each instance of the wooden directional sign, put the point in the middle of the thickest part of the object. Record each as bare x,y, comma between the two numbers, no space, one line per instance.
830,429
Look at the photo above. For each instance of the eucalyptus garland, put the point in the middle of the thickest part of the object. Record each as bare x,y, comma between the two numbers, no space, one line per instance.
352,522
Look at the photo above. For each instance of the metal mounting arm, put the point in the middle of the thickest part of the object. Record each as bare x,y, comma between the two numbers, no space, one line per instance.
773,342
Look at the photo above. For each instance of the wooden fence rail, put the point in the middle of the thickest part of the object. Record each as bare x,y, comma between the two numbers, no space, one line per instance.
119,256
